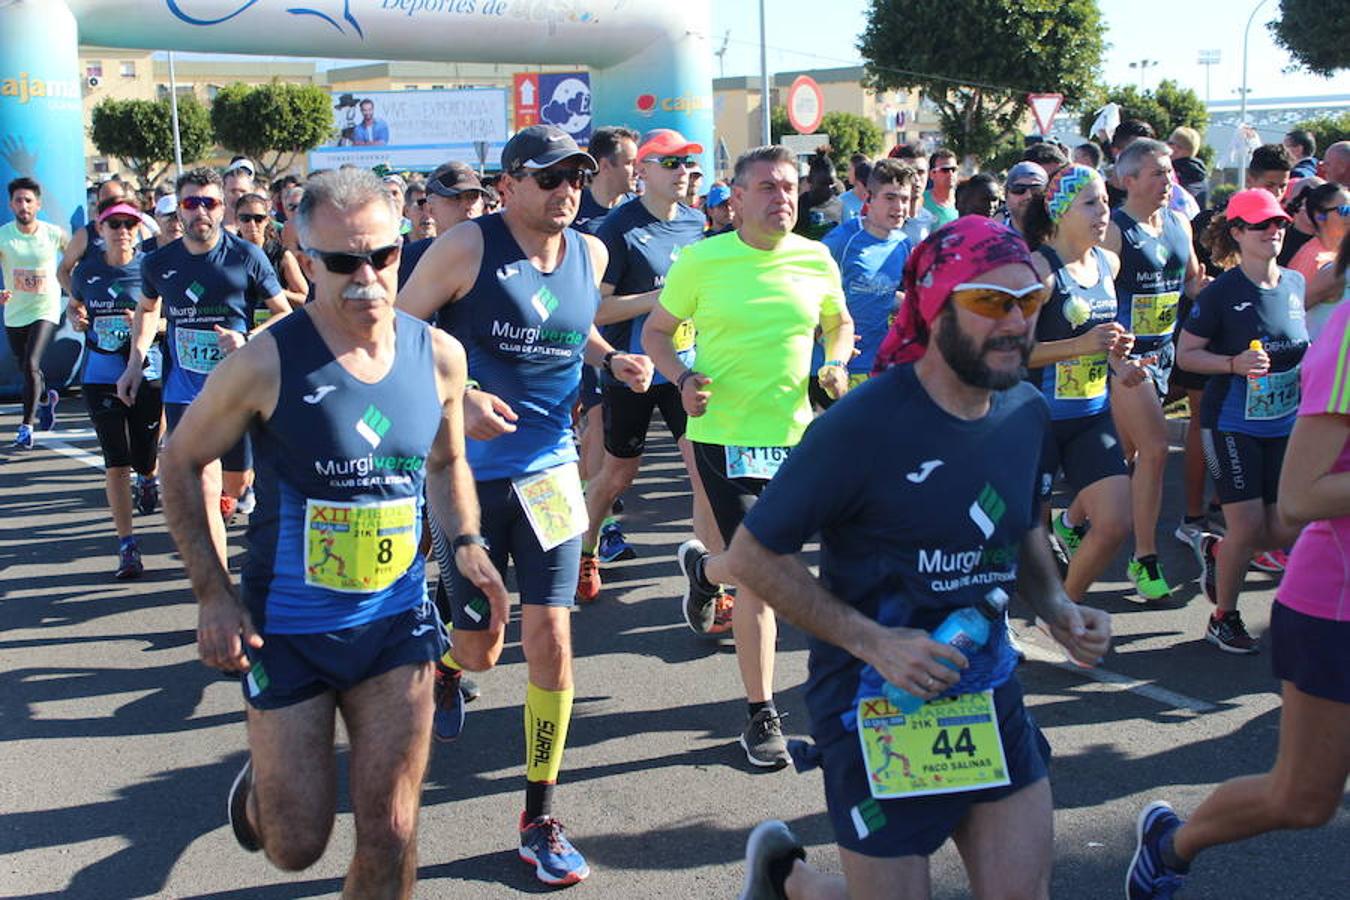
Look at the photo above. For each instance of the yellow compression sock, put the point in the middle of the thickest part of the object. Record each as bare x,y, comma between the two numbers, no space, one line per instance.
547,714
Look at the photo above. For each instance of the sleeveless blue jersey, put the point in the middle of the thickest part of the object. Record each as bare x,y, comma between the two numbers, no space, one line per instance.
1076,387
524,332
340,470
1152,279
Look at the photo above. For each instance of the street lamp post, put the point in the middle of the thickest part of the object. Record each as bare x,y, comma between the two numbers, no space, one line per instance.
1242,110
1143,66
765,131
1209,59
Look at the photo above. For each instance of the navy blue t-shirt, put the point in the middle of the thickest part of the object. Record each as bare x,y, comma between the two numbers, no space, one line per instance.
591,215
1231,313
200,291
923,518
642,248
110,294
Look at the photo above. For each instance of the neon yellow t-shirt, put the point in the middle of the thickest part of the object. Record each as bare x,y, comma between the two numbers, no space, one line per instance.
28,263
755,313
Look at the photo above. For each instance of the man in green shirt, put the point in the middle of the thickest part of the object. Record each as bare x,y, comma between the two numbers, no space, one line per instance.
940,199
755,297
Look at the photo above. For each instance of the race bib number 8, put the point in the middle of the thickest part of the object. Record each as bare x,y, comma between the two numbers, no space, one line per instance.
197,349
755,462
946,747
1272,396
359,548
112,333
1081,378
1154,315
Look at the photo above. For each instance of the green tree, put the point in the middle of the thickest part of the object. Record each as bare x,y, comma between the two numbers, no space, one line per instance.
1168,107
140,134
849,134
273,123
977,60
1314,34
1327,130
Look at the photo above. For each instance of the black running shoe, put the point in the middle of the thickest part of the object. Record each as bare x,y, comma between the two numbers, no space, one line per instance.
700,597
763,740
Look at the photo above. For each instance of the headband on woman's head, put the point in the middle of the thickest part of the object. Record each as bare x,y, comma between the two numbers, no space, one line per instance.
1064,186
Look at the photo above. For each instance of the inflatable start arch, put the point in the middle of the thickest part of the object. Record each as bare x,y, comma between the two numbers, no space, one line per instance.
650,60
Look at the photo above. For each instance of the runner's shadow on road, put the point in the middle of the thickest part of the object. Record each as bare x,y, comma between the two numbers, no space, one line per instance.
701,843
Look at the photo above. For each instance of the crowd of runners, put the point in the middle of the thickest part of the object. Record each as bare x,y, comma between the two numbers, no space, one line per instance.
408,385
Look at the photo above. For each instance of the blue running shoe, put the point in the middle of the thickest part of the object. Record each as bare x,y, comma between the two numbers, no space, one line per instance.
613,547
146,494
1149,878
24,439
448,719
46,411
556,862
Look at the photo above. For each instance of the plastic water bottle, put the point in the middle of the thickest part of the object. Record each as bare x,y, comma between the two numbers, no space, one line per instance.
1254,381
967,629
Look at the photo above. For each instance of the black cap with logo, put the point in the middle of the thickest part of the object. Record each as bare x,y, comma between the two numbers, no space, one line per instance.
539,147
453,179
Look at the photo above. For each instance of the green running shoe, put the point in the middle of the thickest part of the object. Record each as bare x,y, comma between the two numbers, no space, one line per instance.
1069,537
1148,578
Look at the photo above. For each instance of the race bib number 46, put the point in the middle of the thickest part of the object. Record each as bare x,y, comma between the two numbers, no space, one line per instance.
947,746
197,349
359,548
1081,378
1154,315
755,462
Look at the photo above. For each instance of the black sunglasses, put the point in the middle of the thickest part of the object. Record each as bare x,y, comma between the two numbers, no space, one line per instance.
1263,225
1018,190
675,162
252,218
118,223
341,263
421,201
549,179
199,202
945,169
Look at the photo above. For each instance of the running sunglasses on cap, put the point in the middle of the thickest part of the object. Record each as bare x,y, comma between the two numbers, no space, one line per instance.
252,218
200,202
1263,225
994,302
120,223
343,263
549,179
676,162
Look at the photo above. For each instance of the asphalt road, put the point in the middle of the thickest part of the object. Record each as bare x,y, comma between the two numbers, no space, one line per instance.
117,747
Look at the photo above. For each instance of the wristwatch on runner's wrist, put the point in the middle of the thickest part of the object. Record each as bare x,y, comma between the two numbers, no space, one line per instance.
465,540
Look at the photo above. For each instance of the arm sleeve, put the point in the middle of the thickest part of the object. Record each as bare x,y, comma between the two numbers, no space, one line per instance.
679,295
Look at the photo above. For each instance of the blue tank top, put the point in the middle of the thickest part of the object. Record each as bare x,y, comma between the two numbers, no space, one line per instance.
1151,280
524,332
340,469
1076,387
109,293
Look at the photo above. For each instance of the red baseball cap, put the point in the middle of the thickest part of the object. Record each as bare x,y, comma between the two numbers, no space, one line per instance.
1254,206
666,142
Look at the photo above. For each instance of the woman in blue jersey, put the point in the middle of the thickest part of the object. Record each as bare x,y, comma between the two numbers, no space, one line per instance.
1078,344
105,289
1247,329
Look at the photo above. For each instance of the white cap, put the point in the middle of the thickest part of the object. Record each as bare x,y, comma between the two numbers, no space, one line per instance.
245,164
166,204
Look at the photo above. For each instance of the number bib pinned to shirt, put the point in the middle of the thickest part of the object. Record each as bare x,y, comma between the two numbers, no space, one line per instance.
359,548
30,281
197,349
684,336
554,504
1081,378
1272,396
112,333
1153,315
755,462
947,746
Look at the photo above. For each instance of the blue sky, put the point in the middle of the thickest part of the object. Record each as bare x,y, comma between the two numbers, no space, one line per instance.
802,34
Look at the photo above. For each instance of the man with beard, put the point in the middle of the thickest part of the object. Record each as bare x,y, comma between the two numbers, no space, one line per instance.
937,510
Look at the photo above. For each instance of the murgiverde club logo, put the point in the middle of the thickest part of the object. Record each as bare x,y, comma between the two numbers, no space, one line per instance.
372,426
987,510
544,303
196,291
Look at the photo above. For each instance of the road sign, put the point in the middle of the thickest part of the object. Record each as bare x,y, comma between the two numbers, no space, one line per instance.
804,144
1044,107
526,99
805,104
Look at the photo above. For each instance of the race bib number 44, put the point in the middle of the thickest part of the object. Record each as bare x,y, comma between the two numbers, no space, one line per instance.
1081,378
947,746
1154,315
359,548
755,462
197,349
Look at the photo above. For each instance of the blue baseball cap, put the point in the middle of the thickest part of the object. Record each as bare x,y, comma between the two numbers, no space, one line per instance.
717,195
